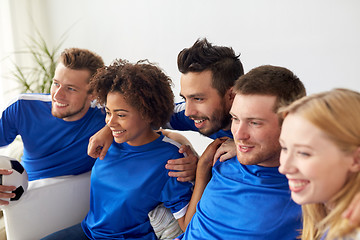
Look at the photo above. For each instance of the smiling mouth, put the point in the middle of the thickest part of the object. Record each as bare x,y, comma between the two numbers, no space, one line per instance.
118,132
297,185
199,121
60,104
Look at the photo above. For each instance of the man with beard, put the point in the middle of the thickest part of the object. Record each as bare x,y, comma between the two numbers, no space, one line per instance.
246,197
55,128
208,73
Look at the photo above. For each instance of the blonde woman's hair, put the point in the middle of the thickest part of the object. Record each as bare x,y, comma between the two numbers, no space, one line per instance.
337,114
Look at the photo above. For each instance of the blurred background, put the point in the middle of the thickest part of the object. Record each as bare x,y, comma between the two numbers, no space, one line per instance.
318,40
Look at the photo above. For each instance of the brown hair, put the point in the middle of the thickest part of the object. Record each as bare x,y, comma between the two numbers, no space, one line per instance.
143,85
224,65
81,59
273,81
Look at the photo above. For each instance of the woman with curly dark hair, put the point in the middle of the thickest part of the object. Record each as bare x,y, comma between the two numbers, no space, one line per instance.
132,179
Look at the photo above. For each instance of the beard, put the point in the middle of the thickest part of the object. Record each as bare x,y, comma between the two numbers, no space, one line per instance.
66,114
264,156
220,119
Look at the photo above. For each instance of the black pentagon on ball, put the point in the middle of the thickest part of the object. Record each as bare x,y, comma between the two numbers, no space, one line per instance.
19,192
16,165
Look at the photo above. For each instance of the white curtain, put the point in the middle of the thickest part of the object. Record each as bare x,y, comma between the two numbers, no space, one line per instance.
18,21
6,46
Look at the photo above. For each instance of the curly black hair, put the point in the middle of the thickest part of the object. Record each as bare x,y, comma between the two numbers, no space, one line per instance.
143,85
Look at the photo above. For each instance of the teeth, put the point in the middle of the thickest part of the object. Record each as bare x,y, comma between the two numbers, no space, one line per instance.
118,132
244,148
297,184
60,104
199,121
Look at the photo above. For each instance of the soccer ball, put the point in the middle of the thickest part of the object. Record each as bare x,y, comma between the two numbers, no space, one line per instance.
18,178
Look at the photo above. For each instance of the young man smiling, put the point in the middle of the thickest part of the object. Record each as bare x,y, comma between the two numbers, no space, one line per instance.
208,73
246,197
55,128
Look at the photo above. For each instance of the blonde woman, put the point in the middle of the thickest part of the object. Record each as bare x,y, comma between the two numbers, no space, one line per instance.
320,156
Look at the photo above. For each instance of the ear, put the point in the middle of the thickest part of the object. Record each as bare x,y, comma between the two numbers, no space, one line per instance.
355,166
230,95
91,96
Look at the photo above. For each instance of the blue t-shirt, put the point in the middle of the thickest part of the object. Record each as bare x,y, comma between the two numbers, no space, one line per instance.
181,122
52,147
129,183
245,202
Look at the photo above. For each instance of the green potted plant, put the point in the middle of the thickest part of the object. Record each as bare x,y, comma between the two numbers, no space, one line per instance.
38,77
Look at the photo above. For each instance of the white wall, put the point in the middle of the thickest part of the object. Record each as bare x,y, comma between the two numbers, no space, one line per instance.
318,40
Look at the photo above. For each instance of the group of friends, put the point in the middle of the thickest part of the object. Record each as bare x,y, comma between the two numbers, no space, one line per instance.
282,165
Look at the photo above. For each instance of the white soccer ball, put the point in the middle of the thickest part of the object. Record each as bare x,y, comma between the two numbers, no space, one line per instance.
17,178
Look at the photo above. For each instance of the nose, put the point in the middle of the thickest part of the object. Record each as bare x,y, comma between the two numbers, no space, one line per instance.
240,131
287,163
59,93
190,109
110,121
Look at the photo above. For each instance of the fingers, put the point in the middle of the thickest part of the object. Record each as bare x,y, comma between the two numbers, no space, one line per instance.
218,154
182,164
93,149
184,169
226,151
98,151
183,176
104,150
6,192
5,172
352,213
226,156
187,151
4,203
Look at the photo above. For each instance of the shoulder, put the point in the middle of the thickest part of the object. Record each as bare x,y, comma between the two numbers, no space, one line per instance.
171,142
165,146
31,97
179,107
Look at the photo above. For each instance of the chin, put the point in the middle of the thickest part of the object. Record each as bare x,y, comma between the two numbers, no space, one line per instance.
300,200
118,140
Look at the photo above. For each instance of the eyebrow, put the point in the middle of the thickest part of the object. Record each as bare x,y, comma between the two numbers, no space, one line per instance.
118,110
303,145
66,85
250,118
193,95
297,144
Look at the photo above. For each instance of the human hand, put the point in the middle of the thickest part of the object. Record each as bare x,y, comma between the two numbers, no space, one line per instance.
352,213
183,169
6,191
226,151
207,158
100,142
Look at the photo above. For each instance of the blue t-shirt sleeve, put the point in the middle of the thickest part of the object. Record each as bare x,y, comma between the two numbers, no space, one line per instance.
8,124
176,195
